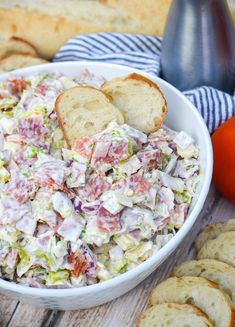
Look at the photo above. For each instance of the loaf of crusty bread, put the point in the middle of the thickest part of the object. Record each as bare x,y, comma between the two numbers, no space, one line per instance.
84,111
16,45
16,61
139,99
214,270
173,315
197,291
212,231
47,24
221,248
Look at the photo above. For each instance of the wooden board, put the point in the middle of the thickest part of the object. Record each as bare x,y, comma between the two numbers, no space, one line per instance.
124,311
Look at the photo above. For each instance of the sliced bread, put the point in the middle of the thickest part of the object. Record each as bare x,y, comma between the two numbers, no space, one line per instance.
221,248
16,45
212,231
139,99
16,61
216,271
84,111
197,291
173,315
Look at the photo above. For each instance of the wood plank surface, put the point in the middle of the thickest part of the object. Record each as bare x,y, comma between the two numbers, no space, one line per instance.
123,311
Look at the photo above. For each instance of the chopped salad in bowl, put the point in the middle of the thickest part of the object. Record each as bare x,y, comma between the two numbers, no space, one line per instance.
74,217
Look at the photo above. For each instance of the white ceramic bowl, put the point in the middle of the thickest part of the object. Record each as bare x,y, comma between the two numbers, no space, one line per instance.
182,115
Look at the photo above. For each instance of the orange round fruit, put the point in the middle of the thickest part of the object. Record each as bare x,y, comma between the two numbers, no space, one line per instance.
223,141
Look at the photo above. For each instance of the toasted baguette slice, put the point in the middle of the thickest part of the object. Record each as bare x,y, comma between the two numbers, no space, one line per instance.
84,111
221,248
17,61
212,231
141,101
216,271
173,315
197,291
16,45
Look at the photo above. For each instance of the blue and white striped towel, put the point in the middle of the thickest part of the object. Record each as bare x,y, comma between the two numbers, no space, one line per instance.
143,52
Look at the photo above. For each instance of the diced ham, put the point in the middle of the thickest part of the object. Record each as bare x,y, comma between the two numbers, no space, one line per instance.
71,228
179,214
27,225
11,258
77,175
131,166
87,78
166,196
101,149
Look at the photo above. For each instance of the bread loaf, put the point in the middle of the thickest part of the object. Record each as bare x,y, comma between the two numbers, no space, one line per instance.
48,24
16,45
16,61
199,292
173,315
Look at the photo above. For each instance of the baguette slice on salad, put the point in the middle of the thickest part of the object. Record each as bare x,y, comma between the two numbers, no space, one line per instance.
197,291
173,315
85,111
139,99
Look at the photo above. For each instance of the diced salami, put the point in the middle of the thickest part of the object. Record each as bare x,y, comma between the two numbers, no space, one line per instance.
20,187
78,264
16,86
84,147
95,186
106,222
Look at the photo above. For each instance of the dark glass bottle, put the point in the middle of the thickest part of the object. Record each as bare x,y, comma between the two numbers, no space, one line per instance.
199,45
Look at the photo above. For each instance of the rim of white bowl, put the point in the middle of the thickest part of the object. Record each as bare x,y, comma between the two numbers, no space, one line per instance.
163,253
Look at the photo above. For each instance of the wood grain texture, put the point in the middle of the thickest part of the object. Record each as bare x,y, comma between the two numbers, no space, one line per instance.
26,315
124,311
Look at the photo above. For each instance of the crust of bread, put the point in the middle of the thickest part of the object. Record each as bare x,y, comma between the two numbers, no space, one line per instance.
182,308
149,124
68,132
212,231
16,61
139,77
16,45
